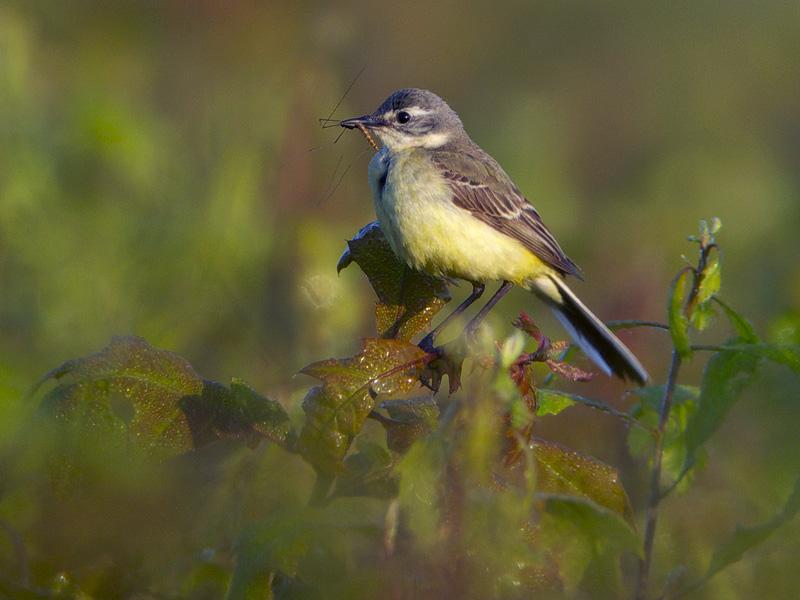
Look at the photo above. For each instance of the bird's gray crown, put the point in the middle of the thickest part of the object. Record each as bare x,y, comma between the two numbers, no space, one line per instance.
410,97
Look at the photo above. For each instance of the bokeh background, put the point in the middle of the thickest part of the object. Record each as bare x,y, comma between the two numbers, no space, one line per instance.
163,173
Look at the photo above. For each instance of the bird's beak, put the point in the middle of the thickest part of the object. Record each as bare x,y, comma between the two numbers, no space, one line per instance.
368,121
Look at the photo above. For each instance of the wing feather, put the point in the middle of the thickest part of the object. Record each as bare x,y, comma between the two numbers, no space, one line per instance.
481,186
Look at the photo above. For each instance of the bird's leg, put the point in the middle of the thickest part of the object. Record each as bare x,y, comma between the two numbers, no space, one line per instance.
473,325
427,342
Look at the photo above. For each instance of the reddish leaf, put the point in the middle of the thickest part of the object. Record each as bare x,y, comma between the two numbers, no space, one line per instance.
336,411
407,299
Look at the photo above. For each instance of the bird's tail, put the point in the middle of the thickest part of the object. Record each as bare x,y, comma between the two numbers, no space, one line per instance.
589,332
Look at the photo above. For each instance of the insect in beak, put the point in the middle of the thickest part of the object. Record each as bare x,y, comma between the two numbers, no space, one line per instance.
369,137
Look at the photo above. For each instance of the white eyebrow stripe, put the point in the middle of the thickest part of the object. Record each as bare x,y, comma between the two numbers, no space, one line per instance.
416,111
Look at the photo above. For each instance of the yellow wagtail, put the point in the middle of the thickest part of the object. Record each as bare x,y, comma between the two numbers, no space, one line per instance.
447,208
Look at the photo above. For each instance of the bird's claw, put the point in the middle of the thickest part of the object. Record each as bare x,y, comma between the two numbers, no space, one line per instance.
445,360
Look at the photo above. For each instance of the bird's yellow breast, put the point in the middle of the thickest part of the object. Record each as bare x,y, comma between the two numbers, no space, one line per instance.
425,228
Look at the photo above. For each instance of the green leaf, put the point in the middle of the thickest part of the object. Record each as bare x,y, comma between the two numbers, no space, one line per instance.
783,354
129,386
725,376
336,411
305,552
787,355
275,545
422,483
368,472
586,540
650,396
744,330
678,323
552,402
407,299
747,538
703,316
158,401
710,280
409,419
641,442
727,373
561,470
239,412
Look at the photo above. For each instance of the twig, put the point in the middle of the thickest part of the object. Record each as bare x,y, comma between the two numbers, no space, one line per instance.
548,379
711,347
631,323
319,493
655,480
610,410
707,244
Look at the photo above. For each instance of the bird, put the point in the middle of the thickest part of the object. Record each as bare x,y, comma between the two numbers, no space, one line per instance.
447,208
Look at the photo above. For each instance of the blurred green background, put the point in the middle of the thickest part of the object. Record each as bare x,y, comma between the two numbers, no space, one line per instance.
163,173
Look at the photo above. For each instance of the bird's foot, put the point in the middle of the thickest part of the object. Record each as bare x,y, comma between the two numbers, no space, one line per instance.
445,360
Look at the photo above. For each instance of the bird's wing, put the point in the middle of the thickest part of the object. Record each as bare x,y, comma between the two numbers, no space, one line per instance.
480,186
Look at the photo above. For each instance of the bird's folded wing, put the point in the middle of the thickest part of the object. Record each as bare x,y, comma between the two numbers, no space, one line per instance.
481,186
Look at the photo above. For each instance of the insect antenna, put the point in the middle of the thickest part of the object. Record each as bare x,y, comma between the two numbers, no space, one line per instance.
339,181
329,118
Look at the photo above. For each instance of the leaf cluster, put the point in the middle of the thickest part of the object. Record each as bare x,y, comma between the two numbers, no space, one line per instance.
398,490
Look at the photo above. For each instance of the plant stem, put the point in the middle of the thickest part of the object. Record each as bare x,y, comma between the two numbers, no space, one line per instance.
651,517
707,244
631,323
319,495
711,347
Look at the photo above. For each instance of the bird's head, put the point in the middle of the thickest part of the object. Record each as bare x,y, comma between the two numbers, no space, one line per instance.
411,118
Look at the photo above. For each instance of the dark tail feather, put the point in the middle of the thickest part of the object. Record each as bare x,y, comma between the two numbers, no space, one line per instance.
589,332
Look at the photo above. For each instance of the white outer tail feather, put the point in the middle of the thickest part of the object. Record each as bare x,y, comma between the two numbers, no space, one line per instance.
583,343
566,307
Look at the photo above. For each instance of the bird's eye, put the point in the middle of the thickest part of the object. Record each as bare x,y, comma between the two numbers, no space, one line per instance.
403,117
